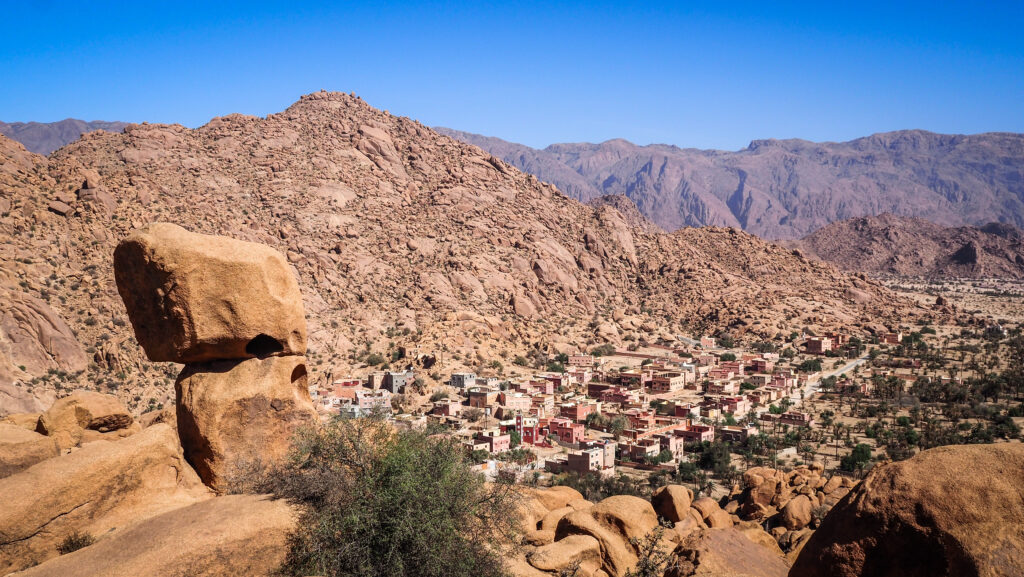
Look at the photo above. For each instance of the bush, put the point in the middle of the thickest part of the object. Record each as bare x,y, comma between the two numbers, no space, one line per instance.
74,542
374,359
604,350
387,502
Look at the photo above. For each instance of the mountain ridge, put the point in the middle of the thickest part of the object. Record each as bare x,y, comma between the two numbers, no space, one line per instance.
45,137
788,188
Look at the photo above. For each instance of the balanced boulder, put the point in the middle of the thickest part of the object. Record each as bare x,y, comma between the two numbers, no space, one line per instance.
232,414
194,298
948,511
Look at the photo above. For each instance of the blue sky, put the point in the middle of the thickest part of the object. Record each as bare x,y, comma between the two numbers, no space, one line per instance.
701,74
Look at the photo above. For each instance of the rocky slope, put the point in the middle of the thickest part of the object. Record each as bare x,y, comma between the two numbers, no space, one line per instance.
404,241
785,189
45,137
904,246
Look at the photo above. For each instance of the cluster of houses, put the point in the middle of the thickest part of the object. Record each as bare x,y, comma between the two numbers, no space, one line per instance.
647,414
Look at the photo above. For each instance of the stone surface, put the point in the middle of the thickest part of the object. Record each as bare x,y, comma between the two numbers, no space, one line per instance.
194,297
228,536
231,413
95,489
21,448
726,553
582,549
948,511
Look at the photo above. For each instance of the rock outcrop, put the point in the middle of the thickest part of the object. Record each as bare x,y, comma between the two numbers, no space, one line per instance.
233,313
100,487
193,298
948,511
228,536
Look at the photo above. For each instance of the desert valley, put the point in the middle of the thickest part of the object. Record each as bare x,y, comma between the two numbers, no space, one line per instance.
321,338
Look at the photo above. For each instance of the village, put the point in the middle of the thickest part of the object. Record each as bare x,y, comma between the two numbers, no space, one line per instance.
637,411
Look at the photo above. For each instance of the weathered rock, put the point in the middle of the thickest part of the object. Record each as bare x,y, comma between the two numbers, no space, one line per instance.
24,420
672,502
949,511
630,517
582,549
223,537
69,418
712,514
95,489
235,413
21,448
617,555
797,513
726,553
194,298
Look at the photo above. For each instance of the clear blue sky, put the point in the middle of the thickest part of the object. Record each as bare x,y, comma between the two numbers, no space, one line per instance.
703,74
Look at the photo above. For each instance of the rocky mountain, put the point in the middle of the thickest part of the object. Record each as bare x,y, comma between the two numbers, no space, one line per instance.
406,243
45,137
904,246
786,189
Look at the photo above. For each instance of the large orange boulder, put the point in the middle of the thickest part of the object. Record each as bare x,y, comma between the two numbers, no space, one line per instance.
613,522
239,413
193,298
949,511
96,489
797,513
223,537
672,502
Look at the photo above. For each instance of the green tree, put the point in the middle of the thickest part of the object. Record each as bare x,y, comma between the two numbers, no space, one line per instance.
383,502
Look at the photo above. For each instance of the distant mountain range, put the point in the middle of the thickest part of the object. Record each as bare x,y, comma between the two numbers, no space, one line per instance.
786,189
45,137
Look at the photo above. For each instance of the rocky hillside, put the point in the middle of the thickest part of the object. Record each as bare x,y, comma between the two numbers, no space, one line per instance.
912,247
406,242
785,189
45,137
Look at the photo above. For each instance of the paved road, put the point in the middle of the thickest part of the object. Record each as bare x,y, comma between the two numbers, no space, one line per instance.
814,387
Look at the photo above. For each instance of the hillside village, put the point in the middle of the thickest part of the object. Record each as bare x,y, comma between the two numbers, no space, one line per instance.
638,409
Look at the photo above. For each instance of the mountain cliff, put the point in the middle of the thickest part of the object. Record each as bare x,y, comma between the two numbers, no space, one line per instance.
786,189
406,243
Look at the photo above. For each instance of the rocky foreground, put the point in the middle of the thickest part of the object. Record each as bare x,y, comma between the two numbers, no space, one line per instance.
402,239
119,496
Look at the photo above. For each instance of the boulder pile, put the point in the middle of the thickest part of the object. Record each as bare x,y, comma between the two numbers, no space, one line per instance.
232,313
563,531
789,503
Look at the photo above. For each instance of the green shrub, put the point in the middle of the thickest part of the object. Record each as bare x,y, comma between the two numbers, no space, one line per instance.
384,502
